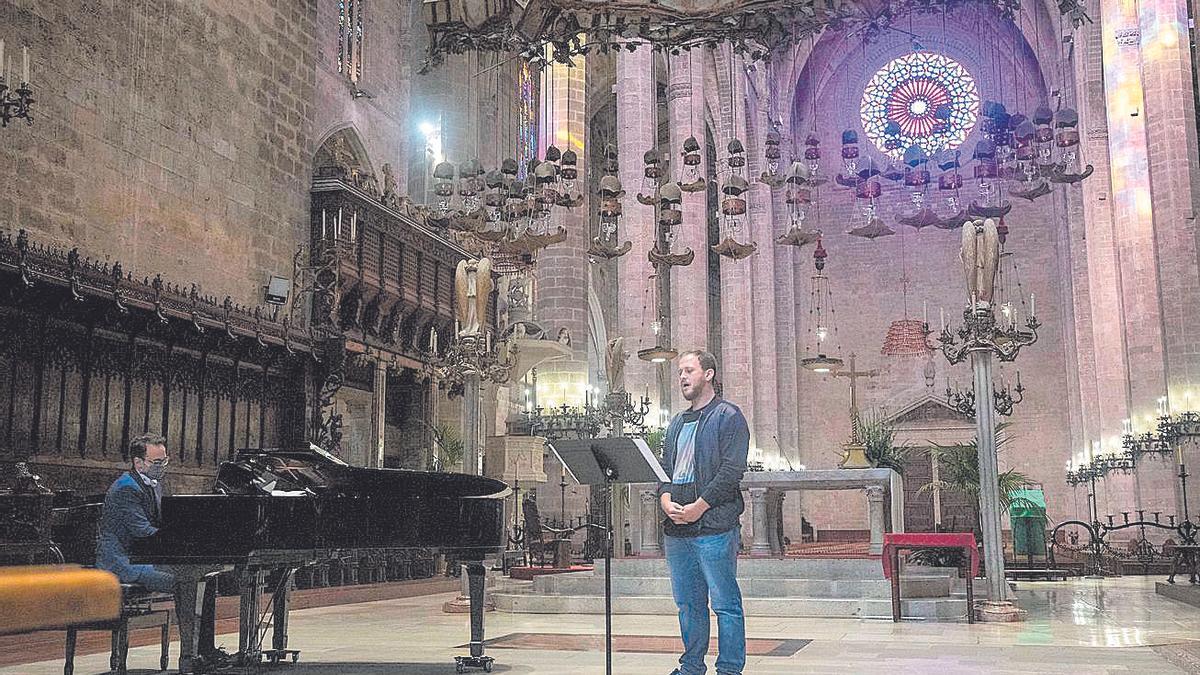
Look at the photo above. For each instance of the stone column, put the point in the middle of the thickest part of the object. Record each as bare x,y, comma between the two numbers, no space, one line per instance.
636,106
760,228
378,414
737,297
989,487
875,517
689,285
561,295
651,517
761,546
471,425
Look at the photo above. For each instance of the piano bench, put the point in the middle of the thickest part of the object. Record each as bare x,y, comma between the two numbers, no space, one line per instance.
137,611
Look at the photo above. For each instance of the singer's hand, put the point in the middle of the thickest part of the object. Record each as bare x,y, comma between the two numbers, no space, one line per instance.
690,513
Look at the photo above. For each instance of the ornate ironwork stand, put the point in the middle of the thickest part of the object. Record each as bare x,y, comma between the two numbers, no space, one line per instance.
980,337
1163,441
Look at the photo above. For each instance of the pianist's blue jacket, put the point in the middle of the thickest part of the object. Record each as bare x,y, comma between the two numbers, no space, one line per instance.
130,512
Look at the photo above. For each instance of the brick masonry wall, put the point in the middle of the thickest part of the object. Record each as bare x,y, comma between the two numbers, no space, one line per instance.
175,137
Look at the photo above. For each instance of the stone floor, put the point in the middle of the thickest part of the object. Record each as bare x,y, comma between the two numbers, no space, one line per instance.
1079,626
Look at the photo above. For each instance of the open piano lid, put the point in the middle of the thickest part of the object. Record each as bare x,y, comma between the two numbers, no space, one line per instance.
313,471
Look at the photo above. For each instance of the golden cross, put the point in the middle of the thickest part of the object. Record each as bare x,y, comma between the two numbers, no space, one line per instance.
853,376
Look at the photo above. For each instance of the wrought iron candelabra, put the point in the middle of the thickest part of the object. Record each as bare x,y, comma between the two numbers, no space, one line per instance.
565,421
616,412
622,412
473,355
1162,441
980,337
1003,399
15,103
981,332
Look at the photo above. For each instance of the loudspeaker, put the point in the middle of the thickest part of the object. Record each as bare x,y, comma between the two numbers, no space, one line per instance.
277,290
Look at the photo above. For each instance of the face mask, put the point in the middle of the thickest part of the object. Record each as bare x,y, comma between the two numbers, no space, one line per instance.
154,471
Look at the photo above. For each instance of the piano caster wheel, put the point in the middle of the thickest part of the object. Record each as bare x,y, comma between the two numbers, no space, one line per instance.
461,663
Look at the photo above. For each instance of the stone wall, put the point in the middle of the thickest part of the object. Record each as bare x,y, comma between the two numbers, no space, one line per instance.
175,137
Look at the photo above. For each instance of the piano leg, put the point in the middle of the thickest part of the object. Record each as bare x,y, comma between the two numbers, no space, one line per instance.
252,580
280,601
475,587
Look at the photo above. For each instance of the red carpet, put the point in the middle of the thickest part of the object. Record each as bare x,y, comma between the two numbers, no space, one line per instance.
837,549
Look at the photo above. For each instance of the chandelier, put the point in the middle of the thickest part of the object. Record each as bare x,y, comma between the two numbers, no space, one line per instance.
496,215
821,339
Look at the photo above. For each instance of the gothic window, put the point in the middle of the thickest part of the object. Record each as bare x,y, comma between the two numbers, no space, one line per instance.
527,110
922,99
350,38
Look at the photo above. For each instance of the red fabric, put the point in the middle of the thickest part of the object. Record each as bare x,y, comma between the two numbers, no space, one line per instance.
917,540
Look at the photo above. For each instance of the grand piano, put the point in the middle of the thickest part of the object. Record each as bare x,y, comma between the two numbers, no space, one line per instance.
280,510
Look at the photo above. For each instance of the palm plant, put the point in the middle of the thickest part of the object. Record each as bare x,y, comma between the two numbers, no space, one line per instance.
655,438
958,470
877,434
448,446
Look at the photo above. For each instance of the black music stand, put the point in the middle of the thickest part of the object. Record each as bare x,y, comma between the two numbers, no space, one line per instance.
608,461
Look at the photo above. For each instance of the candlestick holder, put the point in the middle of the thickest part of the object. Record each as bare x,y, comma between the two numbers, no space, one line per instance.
15,103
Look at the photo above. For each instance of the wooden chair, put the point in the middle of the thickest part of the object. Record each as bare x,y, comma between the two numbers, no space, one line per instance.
536,543
137,611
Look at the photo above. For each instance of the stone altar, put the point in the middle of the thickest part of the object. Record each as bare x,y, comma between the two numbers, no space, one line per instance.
873,481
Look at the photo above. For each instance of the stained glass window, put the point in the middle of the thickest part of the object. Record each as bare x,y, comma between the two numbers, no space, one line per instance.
921,99
350,36
527,104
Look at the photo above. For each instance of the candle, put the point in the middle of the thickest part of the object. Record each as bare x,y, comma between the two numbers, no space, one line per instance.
432,339
322,224
1032,306
353,225
942,313
487,341
8,70
24,65
456,330
1,52
337,225
925,312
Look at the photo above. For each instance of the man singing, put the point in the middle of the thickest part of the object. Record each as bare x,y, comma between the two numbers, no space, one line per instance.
705,452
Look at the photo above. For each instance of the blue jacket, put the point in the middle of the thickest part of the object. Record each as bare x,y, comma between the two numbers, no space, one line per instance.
722,444
130,512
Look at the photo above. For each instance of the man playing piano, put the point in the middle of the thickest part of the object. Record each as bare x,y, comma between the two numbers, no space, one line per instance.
132,511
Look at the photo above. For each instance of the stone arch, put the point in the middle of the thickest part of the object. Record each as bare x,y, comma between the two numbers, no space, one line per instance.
342,145
838,58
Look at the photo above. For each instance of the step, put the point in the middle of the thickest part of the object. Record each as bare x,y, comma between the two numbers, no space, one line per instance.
912,586
785,568
932,608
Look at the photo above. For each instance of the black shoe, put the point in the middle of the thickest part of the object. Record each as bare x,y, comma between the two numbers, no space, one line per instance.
217,659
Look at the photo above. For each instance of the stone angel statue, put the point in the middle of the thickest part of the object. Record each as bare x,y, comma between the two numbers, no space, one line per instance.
472,287
980,256
614,364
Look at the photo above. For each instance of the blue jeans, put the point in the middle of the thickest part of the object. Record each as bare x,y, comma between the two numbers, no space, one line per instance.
703,568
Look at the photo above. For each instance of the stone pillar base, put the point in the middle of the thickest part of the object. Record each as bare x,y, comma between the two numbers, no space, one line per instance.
999,612
462,605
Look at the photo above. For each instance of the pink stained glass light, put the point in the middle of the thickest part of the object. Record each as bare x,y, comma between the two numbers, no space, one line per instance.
923,99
